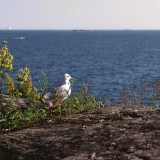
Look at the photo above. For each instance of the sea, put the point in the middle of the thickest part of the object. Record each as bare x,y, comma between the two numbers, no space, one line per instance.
109,62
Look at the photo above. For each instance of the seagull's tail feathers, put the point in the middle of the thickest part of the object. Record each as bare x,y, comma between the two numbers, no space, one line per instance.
48,96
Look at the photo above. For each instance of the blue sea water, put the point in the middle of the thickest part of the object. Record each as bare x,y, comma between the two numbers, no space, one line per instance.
107,61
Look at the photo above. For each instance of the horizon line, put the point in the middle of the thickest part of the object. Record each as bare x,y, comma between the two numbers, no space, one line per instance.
85,29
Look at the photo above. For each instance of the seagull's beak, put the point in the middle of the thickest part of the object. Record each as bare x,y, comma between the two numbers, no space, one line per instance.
72,79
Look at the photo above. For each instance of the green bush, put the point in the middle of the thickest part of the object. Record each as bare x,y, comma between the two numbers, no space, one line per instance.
37,109
5,63
23,87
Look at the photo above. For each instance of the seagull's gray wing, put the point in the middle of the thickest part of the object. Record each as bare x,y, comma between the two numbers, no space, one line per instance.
61,92
48,96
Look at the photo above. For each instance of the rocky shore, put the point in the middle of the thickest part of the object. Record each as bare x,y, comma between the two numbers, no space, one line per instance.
108,133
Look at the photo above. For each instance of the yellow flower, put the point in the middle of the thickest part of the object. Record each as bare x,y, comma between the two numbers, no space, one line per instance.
9,67
25,78
20,83
37,96
10,57
19,94
10,84
6,61
34,89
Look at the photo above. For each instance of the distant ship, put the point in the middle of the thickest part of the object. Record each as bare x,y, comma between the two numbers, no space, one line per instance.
9,28
79,30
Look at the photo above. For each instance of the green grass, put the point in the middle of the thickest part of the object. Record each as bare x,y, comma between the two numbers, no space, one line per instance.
37,111
12,118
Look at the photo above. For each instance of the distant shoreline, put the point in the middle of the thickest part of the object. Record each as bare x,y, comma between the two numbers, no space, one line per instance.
78,30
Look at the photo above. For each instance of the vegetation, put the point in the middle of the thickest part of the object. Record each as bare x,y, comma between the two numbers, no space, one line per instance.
36,110
23,87
5,63
145,96
12,118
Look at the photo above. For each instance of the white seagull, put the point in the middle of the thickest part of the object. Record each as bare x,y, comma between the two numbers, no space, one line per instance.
61,92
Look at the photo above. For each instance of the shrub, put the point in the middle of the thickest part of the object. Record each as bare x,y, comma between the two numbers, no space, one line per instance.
5,63
23,88
12,117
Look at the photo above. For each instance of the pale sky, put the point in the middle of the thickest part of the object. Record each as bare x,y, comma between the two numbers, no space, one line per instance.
80,14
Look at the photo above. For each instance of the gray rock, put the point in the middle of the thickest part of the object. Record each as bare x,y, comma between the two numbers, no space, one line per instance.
102,134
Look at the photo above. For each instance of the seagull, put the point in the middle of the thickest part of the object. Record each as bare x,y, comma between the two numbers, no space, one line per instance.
61,92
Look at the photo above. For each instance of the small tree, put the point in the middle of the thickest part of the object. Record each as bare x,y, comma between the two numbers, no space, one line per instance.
5,63
24,87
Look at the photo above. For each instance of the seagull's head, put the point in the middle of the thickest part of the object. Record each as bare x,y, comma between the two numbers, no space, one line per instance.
67,77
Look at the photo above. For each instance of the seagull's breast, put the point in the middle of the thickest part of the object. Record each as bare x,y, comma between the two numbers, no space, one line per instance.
64,90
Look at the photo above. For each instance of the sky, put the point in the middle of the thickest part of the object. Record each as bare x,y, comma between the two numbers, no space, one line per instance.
80,14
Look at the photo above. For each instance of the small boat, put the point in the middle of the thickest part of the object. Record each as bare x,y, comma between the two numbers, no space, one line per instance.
9,28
